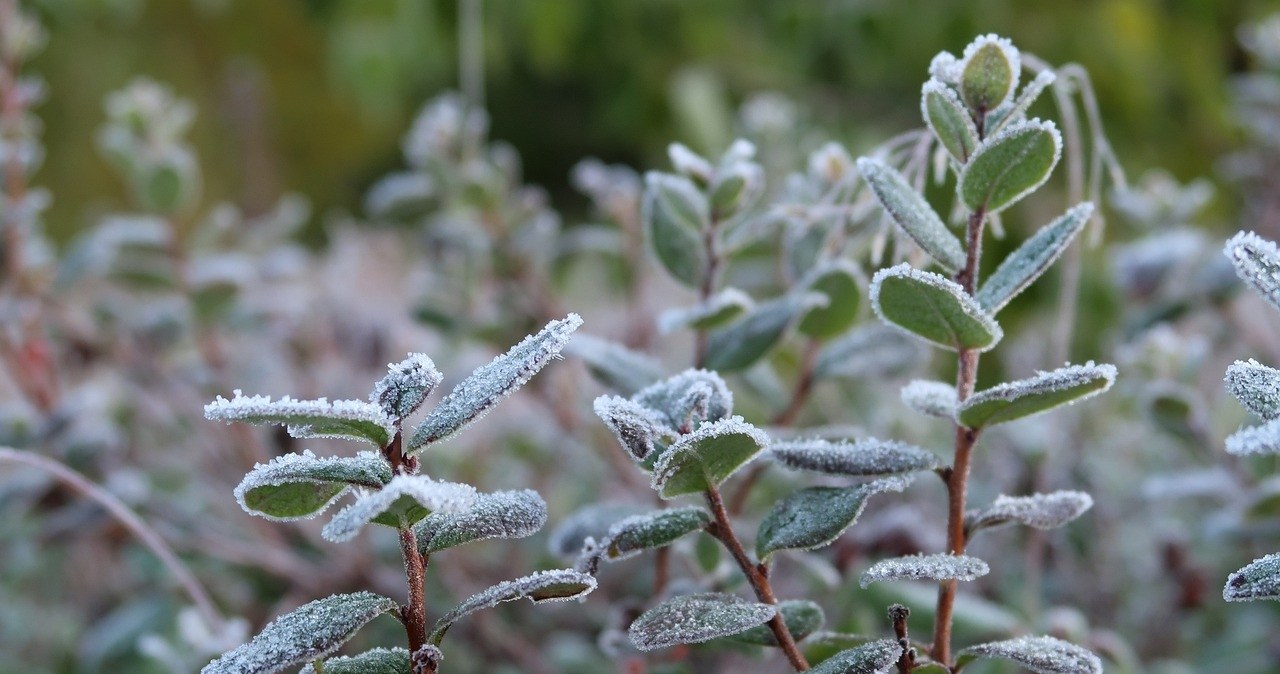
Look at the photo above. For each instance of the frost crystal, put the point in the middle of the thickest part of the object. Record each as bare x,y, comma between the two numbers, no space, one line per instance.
308,484
1259,580
636,427
345,419
376,661
430,494
697,618
503,514
489,384
1264,439
940,566
875,657
1256,386
1031,396
1257,263
867,457
671,397
1041,511
1025,264
1043,655
406,385
543,586
931,398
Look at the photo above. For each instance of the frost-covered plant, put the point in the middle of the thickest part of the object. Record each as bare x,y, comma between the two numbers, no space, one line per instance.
389,488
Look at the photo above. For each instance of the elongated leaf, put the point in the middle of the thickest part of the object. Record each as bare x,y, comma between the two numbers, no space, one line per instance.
801,616
540,587
489,384
747,340
989,73
875,657
613,364
1256,386
868,457
309,632
301,486
636,534
593,521
1257,263
948,119
1259,580
1032,258
814,517
1263,439
707,457
675,214
913,214
925,567
718,310
689,398
405,500
933,308
696,618
873,350
1043,392
1040,511
839,283
502,514
1043,655
931,398
345,419
1010,165
376,661
637,428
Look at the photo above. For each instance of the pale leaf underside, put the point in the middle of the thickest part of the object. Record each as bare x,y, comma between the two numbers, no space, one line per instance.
696,618
1043,655
940,566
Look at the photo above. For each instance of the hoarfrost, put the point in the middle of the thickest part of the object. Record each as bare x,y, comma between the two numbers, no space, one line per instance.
813,517
875,657
1256,386
1041,393
866,457
435,496
1025,264
1043,655
328,477
941,566
913,214
1040,511
931,398
1259,580
635,534
1257,263
375,661
707,456
502,514
539,587
967,306
636,427
345,419
667,396
697,618
1263,439
406,385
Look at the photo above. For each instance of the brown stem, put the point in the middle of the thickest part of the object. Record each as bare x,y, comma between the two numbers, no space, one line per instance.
414,614
898,615
757,577
708,287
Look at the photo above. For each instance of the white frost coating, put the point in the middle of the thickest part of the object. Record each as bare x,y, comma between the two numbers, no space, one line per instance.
913,214
666,397
940,566
931,398
300,416
720,303
430,494
876,657
679,455
406,385
1259,580
1043,655
502,514
1263,439
697,618
1257,263
373,660
1040,511
1043,383
490,383
366,469
1256,386
1010,54
945,68
966,303
539,587
1025,264
636,427
865,457
1015,129
936,86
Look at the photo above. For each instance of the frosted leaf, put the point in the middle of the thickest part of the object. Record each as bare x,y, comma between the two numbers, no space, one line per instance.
593,521
707,456
502,514
838,282
405,500
1010,165
671,398
989,72
1041,511
635,534
913,214
868,351
814,517
311,631
376,661
539,587
941,566
948,119
930,398
636,427
1257,263
697,618
675,213
1041,393
406,385
801,616
613,364
490,383
748,339
862,458
932,307
944,67
875,657
1043,655
301,486
1025,264
1263,439
1256,386
345,419
1259,580
719,309
690,163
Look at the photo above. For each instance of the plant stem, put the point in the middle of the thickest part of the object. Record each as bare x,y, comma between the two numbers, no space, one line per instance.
413,614
757,576
708,286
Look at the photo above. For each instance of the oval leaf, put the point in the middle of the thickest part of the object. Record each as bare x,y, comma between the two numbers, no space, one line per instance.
653,530
543,586
613,364
1032,258
502,514
1010,165
301,486
748,339
405,500
941,566
948,119
406,385
813,517
707,457
1259,580
311,631
875,657
1043,655
913,214
1256,386
343,419
801,616
697,618
930,398
989,73
1043,392
675,214
932,307
1039,511
862,458
839,283
376,661
718,310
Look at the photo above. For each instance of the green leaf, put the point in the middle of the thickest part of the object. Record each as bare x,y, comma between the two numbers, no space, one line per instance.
614,364
300,486
1257,263
839,283
312,631
652,530
814,517
1043,392
697,618
1259,580
1043,655
403,501
1256,386
1039,511
688,399
376,661
540,587
344,419
707,457
941,566
676,214
1010,165
637,428
948,119
748,339
868,457
718,310
932,307
913,214
930,398
990,69
502,514
801,616
1032,258
406,385
875,657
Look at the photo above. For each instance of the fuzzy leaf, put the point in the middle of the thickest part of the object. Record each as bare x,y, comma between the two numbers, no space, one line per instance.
814,517
675,214
695,618
718,310
689,398
1040,511
405,500
301,486
613,364
406,385
311,631
376,661
868,457
1257,263
502,514
543,586
652,530
490,383
875,657
1010,165
345,419
930,398
707,457
839,283
873,350
747,340
1032,258
801,616
913,214
940,566
1043,392
593,521
932,307
1043,655
637,428
948,119
1259,580
1263,439
989,73
1256,386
